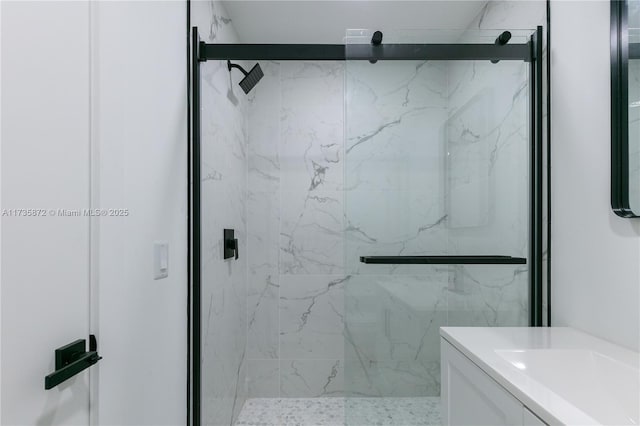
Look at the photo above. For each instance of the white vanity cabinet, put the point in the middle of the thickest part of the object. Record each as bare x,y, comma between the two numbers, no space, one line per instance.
471,397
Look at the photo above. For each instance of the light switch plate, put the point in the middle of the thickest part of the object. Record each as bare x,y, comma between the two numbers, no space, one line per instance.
160,260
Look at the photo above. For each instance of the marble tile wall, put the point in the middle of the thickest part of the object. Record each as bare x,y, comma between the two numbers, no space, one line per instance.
508,140
318,322
434,153
299,265
224,136
394,173
295,224
487,135
394,170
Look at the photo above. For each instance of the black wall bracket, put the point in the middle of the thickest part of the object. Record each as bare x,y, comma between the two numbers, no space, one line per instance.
71,359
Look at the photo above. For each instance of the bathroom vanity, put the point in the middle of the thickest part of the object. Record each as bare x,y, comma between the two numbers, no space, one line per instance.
536,376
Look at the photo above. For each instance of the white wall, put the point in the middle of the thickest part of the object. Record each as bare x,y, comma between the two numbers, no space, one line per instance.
0,220
94,113
45,165
140,141
595,254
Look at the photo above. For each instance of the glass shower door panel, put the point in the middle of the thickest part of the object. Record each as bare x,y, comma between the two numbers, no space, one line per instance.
395,205
487,195
436,163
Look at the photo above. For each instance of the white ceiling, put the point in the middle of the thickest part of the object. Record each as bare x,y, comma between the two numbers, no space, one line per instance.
320,21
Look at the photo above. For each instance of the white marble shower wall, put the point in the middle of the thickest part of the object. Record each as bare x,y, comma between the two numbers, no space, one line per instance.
275,171
394,205
295,226
527,14
299,263
501,91
487,188
224,160
394,169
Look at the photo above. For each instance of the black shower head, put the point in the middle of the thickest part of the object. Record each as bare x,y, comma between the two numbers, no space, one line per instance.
250,79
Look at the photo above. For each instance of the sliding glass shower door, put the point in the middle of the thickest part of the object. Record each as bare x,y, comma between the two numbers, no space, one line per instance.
438,215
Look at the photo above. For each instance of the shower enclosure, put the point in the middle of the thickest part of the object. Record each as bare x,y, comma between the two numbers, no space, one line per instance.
391,185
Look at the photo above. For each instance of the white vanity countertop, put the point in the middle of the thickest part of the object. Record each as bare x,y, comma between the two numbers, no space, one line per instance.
563,375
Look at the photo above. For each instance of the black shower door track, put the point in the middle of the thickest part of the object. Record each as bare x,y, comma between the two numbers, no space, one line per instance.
383,52
530,52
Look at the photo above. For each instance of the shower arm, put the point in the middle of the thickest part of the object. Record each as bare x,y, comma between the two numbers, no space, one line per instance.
231,66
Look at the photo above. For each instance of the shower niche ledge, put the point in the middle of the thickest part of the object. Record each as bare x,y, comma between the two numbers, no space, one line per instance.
536,376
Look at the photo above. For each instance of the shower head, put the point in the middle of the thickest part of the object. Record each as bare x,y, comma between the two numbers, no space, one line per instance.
250,79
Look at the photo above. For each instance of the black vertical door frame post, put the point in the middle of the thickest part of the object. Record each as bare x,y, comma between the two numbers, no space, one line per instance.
194,232
535,243
548,189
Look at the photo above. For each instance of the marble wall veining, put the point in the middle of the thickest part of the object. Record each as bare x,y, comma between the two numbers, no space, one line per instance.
395,176
488,193
434,160
522,15
324,324
224,161
394,171
295,226
326,161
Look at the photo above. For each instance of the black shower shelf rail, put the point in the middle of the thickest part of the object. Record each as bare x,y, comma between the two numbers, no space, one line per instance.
443,260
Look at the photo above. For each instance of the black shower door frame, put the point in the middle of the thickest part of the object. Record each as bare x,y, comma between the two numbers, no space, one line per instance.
530,52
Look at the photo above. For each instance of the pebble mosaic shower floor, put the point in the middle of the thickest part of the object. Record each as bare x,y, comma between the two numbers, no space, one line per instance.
340,412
